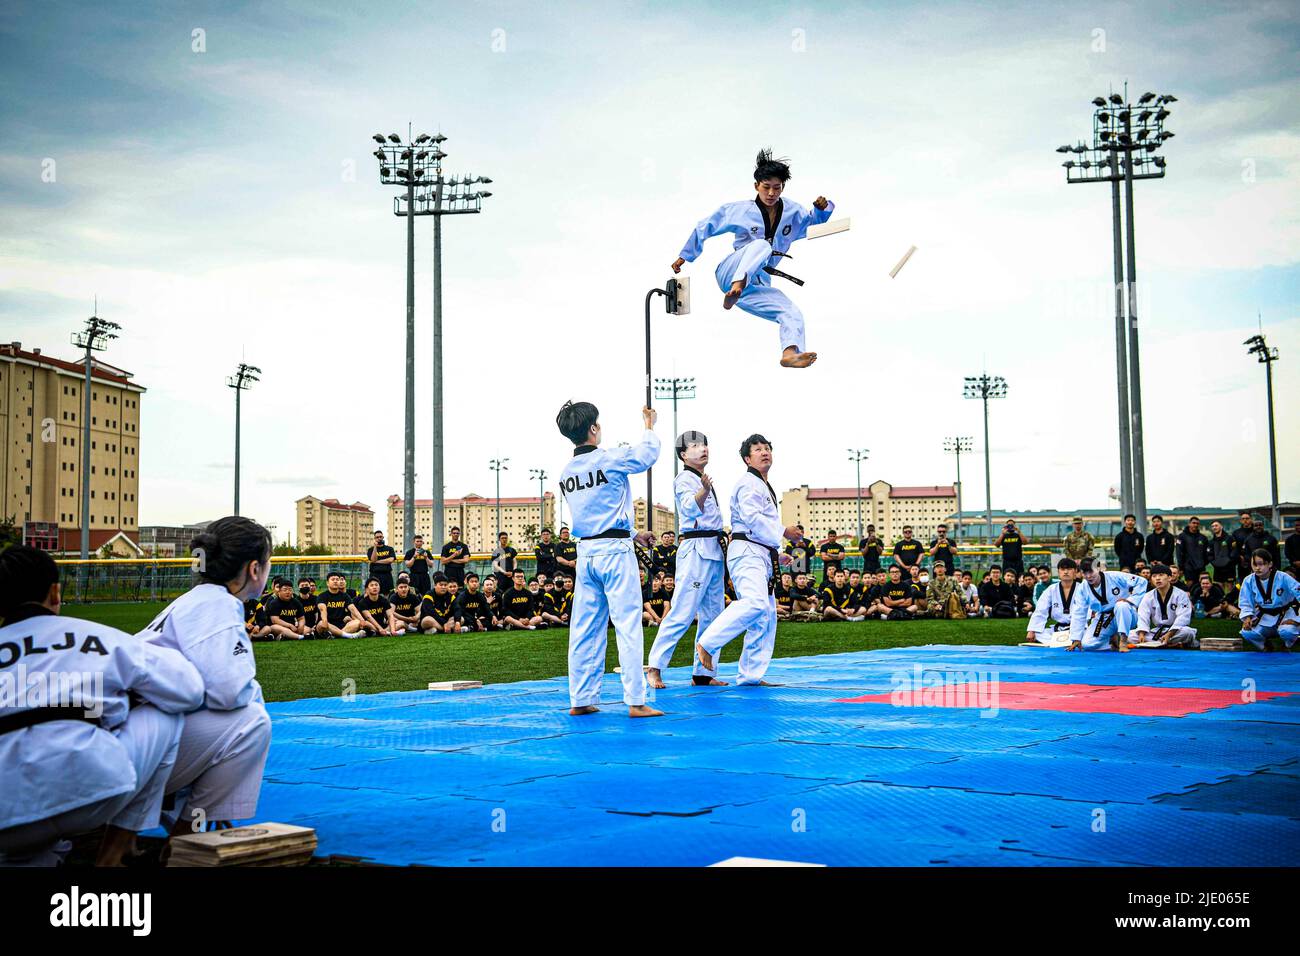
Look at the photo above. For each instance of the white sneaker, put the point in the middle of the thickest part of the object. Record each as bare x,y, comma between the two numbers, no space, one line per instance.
532,627
858,618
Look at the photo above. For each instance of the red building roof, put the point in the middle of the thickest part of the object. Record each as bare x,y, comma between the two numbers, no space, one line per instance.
900,491
471,499
100,371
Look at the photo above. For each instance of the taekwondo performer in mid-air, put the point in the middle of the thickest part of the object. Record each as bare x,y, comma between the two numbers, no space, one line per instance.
700,557
1052,612
1103,614
607,584
764,228
1269,602
752,560
1165,613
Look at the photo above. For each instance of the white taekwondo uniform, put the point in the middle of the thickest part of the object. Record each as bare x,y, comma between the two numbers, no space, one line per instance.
607,582
756,533
1274,602
700,571
99,750
1099,613
1167,619
756,246
1053,608
224,746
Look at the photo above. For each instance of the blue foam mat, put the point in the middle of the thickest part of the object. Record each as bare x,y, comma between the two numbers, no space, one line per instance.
503,776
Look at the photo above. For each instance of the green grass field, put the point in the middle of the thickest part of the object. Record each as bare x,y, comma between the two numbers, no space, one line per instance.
289,670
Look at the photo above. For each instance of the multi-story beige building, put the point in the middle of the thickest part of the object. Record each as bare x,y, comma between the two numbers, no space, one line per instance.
886,506
41,405
344,529
665,519
521,518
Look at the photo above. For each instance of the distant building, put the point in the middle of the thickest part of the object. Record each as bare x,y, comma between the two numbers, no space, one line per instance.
1050,527
888,507
168,541
665,519
344,529
41,403
476,517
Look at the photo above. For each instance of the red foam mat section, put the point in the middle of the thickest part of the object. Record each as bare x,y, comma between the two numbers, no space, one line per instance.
1072,698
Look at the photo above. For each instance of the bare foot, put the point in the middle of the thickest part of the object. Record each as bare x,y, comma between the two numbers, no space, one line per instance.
705,658
654,679
642,710
764,683
730,298
793,358
579,711
718,683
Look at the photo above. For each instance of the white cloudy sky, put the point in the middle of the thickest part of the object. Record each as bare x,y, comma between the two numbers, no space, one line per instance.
202,196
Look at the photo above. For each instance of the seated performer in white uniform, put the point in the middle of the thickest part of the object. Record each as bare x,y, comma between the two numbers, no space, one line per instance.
764,229
752,561
1103,613
700,556
95,746
1165,613
1270,603
607,584
218,772
1050,622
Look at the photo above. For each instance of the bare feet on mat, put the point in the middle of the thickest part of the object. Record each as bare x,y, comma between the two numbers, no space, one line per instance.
793,358
733,294
717,683
764,683
654,679
579,711
705,657
642,710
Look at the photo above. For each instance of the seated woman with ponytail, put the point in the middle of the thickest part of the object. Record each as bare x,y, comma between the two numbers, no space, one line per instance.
218,773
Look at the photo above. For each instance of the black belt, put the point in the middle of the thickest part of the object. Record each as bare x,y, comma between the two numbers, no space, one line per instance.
610,533
42,715
740,536
775,571
781,275
701,533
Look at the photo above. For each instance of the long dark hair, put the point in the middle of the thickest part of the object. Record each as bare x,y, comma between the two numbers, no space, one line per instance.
226,546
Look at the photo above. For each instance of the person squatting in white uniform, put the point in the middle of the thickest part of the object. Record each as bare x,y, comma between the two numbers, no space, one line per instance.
95,747
1269,602
700,561
764,229
1165,613
1103,613
1052,612
607,582
752,560
218,774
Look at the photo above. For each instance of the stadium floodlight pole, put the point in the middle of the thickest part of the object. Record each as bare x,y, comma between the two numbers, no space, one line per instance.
499,465
243,378
957,446
540,475
677,301
858,455
93,338
1136,130
984,387
439,197
1267,356
399,166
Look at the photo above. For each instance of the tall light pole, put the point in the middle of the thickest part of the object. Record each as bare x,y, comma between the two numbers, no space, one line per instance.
243,379
499,465
93,338
438,197
399,166
677,301
858,455
1267,356
984,387
677,389
958,446
540,475
1135,130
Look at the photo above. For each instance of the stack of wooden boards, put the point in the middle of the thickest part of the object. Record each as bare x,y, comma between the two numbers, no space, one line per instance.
1221,644
260,844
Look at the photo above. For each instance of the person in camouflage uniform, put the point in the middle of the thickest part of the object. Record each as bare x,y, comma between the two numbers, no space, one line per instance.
940,592
1079,544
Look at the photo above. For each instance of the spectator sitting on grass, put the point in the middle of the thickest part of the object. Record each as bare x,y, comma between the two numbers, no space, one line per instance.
405,606
970,596
836,598
286,612
338,615
374,609
1043,574
437,611
996,595
784,600
1207,599
493,599
899,597
471,607
519,607
1025,594
803,607
942,595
